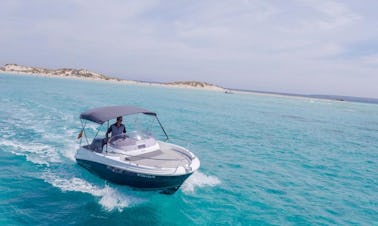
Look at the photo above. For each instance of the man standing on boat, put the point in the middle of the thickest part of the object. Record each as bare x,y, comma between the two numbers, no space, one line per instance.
116,129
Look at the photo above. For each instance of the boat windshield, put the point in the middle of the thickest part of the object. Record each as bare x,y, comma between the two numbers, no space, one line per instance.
138,135
132,140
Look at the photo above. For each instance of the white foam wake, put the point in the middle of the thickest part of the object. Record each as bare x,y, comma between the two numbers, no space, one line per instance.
200,180
70,151
35,152
110,199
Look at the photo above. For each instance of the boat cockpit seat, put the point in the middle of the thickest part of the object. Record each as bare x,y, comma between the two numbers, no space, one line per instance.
97,144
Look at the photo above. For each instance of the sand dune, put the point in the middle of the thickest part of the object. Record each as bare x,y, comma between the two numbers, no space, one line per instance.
85,74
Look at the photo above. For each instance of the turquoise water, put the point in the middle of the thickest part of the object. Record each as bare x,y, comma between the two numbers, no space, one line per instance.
265,160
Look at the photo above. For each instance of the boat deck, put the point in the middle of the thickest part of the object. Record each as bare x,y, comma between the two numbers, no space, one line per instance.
168,156
164,158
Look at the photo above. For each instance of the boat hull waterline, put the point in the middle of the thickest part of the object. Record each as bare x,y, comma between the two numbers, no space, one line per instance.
113,169
167,184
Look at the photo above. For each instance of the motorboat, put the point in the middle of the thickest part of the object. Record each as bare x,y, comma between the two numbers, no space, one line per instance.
135,158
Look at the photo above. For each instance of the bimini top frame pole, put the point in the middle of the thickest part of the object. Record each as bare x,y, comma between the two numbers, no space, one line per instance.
161,126
80,136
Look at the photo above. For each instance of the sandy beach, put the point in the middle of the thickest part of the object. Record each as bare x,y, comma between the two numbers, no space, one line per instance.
82,74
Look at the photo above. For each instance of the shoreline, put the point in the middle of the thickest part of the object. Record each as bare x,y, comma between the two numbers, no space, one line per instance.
153,84
115,80
228,91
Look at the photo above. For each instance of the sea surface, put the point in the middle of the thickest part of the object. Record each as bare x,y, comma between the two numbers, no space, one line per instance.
265,159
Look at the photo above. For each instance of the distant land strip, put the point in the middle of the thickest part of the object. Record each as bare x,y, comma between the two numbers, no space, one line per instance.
317,96
85,74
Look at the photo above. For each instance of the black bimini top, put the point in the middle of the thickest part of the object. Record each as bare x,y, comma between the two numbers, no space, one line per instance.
103,114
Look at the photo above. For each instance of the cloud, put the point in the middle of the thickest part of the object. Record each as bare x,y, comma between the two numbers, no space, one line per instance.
291,46
333,15
370,60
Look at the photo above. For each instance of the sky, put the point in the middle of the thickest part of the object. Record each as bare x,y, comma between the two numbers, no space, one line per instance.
293,46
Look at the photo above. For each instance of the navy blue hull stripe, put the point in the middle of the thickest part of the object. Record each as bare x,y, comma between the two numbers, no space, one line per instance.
138,180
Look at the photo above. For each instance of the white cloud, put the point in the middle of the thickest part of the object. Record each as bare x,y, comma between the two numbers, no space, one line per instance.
335,15
370,60
290,46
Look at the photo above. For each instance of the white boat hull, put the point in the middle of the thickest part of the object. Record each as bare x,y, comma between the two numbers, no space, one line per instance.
118,169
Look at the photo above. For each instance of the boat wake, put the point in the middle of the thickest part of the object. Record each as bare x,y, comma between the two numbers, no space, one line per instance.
48,156
36,153
199,180
109,198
